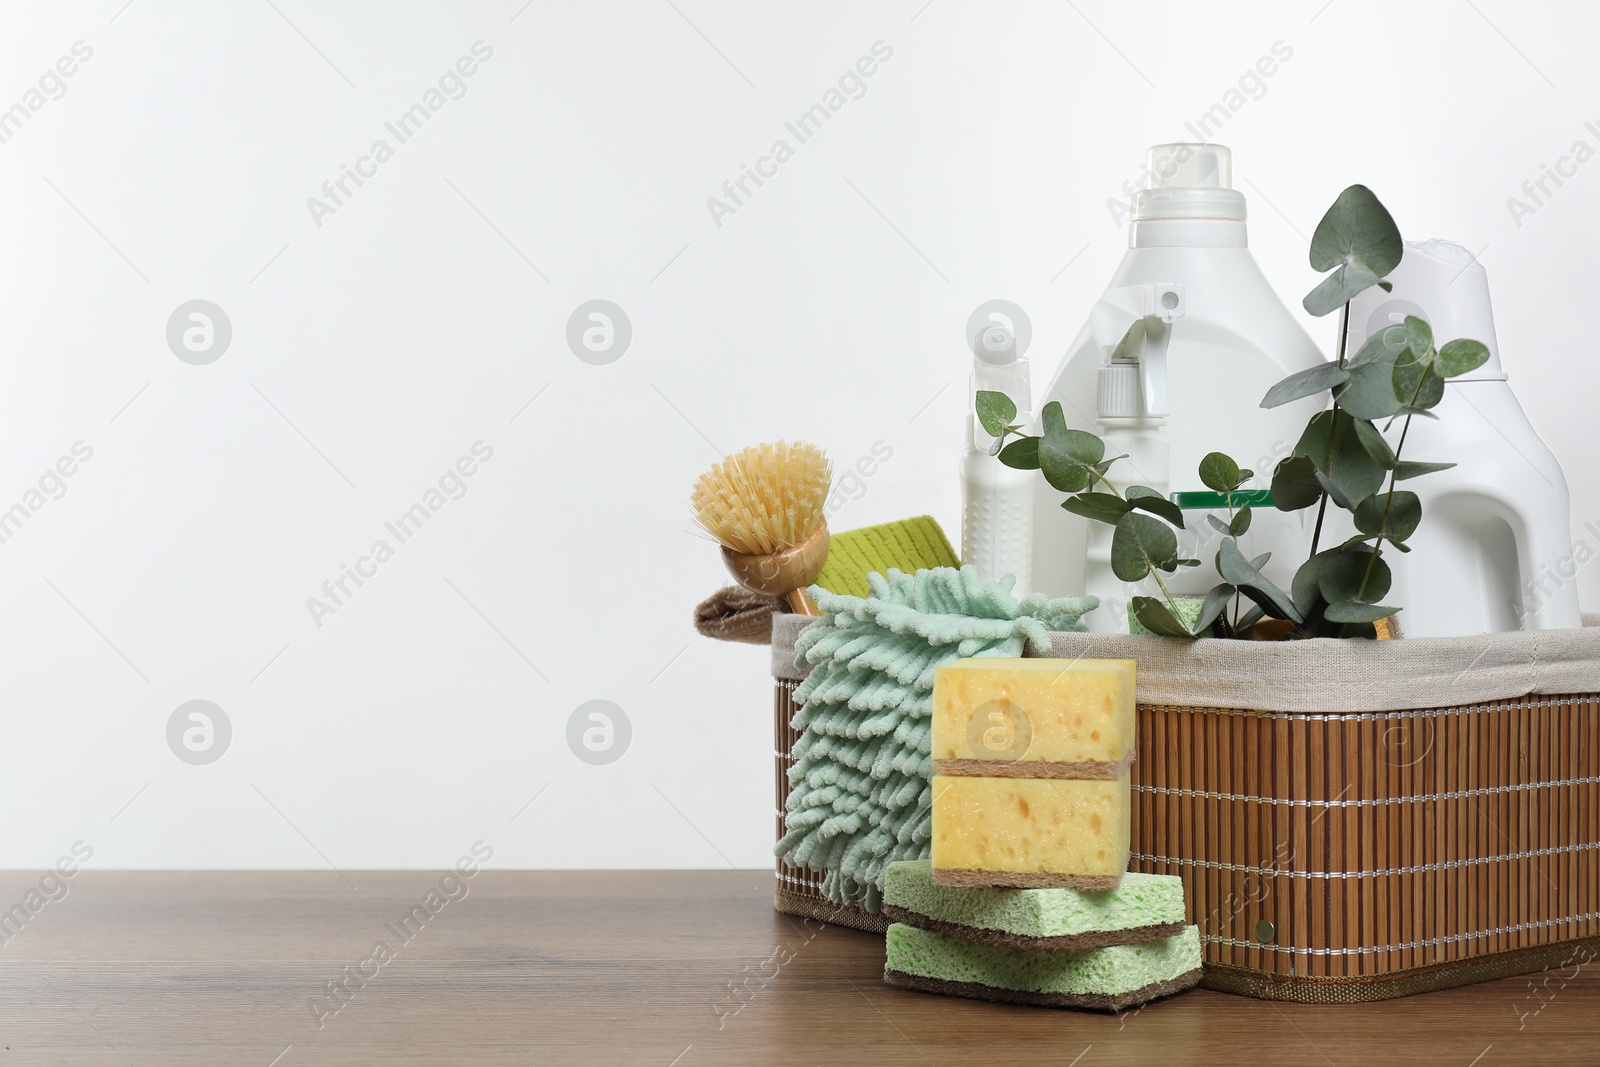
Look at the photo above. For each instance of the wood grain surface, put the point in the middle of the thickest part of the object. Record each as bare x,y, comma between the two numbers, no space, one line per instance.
671,969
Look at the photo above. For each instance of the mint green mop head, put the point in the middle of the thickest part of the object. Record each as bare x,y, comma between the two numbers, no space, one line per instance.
859,793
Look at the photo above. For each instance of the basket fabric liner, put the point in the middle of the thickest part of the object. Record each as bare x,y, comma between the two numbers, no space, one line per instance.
1321,674
1327,675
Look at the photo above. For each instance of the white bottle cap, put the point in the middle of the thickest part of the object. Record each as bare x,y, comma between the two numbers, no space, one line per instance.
1120,395
1190,166
1189,181
996,346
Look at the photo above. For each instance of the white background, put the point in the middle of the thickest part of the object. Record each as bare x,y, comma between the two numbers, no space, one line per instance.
368,354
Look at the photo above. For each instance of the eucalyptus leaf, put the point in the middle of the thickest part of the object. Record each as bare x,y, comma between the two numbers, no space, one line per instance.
1052,419
1105,465
1415,469
1404,514
1067,458
1315,440
1374,442
1215,603
1219,473
1139,544
1241,522
1021,454
995,412
1309,382
1295,485
1305,589
1370,393
1339,288
1101,507
1156,504
1417,384
1337,493
1387,342
1341,576
1353,473
1156,617
1237,570
1419,337
1356,612
1358,241
1218,525
1461,356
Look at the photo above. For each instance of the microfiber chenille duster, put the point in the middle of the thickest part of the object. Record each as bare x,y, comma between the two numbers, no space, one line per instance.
859,791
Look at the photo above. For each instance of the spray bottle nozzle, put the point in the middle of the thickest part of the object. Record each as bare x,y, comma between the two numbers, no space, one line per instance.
996,346
1133,325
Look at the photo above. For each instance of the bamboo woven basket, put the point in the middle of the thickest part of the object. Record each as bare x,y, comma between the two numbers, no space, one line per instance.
1348,841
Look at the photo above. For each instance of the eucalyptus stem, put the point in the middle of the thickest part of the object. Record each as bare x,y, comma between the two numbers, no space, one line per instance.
1388,500
1234,618
1333,429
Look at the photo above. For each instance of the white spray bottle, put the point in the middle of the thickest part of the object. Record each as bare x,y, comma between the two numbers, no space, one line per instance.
1133,326
1237,341
1493,552
996,500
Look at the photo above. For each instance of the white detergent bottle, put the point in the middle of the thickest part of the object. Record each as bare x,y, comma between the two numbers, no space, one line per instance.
1236,341
1493,552
1133,325
996,500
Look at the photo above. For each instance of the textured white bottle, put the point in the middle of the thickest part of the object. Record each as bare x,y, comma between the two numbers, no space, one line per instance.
997,500
996,517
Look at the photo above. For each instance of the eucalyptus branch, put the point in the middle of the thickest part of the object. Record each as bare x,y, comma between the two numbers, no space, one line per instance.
1333,430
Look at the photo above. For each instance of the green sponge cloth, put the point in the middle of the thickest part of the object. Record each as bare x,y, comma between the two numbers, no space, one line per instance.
1109,979
908,546
1145,907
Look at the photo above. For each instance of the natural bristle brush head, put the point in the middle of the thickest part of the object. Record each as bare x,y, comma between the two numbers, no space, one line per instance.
764,506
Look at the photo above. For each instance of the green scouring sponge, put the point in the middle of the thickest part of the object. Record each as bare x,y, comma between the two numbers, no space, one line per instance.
908,546
1108,979
1145,907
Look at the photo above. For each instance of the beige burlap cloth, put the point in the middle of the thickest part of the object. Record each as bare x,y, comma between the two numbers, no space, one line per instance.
1324,674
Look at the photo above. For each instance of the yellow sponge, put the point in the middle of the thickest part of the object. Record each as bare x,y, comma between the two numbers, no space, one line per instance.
909,546
1031,833
1034,718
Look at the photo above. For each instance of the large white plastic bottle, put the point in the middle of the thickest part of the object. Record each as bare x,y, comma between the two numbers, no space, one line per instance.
1493,552
1236,341
996,500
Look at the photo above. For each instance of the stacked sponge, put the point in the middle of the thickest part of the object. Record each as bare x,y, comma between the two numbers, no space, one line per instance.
1052,947
1030,762
1027,896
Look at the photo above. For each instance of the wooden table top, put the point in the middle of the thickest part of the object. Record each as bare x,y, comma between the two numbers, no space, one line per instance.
637,968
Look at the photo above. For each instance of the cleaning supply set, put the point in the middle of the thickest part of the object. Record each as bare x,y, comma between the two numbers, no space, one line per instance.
1058,802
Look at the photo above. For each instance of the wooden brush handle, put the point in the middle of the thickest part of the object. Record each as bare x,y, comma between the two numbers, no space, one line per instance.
800,603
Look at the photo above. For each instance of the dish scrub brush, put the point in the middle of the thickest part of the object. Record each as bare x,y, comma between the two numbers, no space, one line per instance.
764,506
